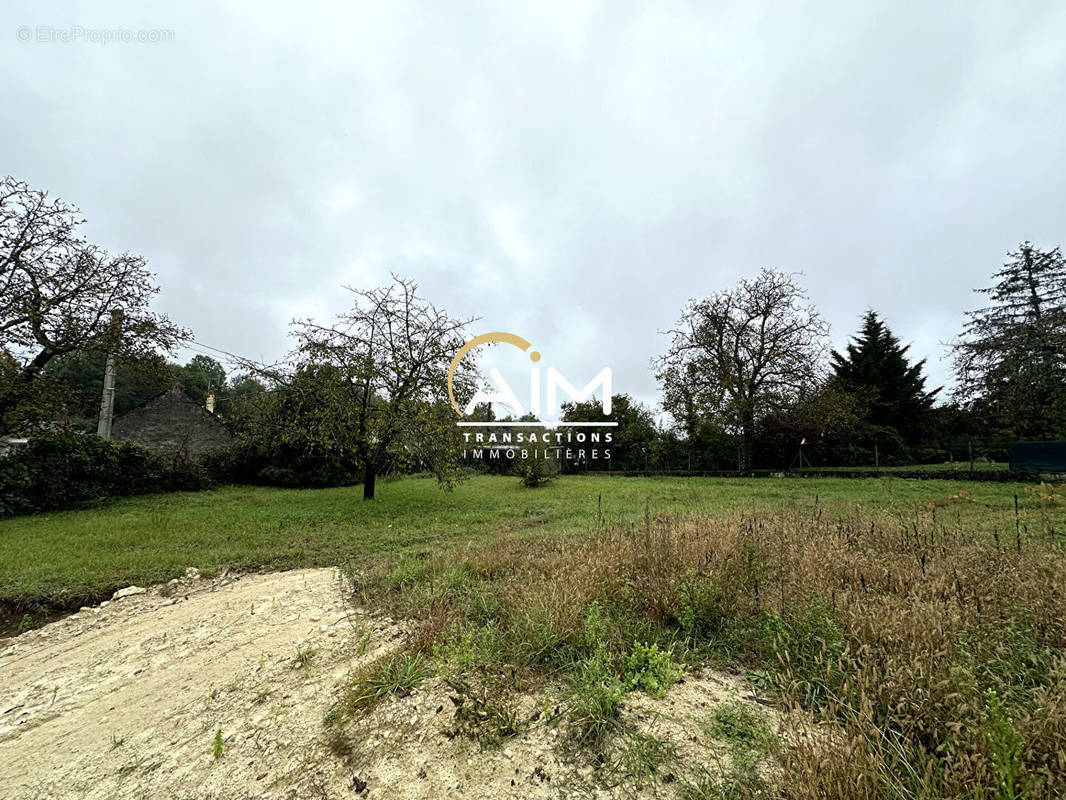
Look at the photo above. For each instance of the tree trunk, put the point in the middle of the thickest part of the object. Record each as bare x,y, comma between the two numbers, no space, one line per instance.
369,476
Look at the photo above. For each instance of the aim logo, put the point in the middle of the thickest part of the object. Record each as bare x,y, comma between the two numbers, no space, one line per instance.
554,384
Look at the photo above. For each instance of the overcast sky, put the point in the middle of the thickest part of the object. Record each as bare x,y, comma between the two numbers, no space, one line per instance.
569,171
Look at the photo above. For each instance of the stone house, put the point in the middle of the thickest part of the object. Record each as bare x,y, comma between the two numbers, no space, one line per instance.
172,422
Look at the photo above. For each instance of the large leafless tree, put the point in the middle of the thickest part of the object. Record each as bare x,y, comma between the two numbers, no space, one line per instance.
741,353
61,294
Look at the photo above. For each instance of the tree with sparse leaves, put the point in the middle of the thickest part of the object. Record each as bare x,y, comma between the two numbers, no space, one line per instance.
741,353
61,294
380,395
1010,359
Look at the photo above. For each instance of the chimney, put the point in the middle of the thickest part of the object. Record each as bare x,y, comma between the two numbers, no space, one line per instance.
210,404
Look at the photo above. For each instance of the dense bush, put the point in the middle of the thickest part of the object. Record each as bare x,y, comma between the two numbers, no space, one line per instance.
66,469
536,471
278,464
62,470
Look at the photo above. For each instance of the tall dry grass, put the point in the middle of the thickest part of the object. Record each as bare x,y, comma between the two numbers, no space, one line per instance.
913,659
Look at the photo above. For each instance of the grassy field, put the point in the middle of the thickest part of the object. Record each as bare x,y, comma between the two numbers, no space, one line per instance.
910,634
71,558
905,656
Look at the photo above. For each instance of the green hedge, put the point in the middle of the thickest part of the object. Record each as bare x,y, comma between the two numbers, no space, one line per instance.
67,469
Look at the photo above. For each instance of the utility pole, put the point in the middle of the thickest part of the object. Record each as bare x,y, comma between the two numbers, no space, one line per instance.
107,400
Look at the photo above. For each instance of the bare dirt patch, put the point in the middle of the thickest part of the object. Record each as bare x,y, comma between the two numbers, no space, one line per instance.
224,689
126,699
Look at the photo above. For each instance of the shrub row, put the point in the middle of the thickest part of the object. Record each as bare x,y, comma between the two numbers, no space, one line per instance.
66,469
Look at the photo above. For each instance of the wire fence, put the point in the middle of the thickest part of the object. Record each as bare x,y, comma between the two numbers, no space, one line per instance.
976,460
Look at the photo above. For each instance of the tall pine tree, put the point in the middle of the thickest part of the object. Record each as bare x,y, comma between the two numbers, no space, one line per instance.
1011,357
874,367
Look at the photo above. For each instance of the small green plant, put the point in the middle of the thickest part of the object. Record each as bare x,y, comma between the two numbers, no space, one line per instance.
813,643
651,670
406,572
218,744
740,725
595,629
1005,747
748,738
642,757
305,657
26,624
536,472
398,676
596,692
363,644
738,781
466,649
700,602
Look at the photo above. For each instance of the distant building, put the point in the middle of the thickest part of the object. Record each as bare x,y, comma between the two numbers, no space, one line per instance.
172,422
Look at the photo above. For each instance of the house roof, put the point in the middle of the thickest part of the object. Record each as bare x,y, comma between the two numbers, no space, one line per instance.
178,393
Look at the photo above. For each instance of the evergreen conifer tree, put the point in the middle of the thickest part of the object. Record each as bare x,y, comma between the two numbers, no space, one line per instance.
875,368
1011,357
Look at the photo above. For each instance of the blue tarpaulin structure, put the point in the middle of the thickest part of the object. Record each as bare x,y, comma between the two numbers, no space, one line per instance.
1038,456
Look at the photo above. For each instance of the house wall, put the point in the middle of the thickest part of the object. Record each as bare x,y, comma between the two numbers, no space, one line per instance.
172,423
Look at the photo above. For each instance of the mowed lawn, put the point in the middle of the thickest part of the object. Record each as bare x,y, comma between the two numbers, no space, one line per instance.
71,558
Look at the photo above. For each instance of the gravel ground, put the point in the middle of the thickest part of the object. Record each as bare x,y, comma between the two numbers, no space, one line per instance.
129,700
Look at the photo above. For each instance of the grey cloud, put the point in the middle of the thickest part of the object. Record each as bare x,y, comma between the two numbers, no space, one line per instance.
569,171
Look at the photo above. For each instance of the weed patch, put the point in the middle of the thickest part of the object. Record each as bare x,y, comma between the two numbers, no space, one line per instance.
651,670
910,656
395,675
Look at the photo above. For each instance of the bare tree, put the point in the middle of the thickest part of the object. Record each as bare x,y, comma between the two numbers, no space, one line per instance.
741,353
60,294
380,382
